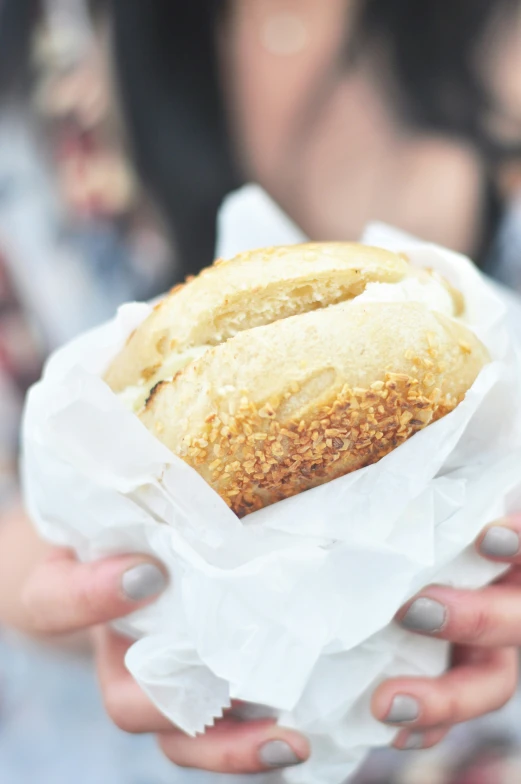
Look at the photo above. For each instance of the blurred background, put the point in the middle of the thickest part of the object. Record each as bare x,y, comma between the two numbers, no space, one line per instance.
108,193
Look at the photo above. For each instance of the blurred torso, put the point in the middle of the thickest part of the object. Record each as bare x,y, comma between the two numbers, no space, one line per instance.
327,142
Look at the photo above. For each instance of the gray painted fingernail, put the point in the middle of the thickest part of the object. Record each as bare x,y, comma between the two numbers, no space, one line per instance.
424,615
248,711
278,754
413,742
500,542
143,582
403,709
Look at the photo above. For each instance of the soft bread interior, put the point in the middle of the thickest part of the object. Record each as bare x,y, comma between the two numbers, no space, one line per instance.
256,289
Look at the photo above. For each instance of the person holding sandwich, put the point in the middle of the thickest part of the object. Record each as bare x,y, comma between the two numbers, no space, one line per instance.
344,112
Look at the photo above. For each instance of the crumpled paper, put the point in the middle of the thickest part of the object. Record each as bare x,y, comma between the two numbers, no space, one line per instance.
292,607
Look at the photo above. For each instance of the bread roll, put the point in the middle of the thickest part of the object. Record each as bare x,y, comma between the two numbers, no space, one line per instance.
288,367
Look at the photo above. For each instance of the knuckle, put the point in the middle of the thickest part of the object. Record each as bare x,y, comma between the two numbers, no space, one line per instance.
478,626
173,750
117,710
37,619
447,710
454,710
87,603
232,761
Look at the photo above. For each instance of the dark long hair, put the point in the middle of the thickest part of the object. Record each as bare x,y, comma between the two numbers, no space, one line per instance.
16,21
168,78
166,60
433,49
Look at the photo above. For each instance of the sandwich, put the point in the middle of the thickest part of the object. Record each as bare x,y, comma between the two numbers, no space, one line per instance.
287,367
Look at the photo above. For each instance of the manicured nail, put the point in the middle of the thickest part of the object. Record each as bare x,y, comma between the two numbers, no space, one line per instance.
247,711
403,709
413,742
143,582
278,754
500,542
424,615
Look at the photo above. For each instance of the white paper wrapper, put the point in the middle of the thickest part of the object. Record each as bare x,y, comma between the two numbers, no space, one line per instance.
292,607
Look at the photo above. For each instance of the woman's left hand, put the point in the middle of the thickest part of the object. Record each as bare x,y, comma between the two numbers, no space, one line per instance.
485,629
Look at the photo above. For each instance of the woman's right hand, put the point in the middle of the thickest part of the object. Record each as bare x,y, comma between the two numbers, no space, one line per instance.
62,596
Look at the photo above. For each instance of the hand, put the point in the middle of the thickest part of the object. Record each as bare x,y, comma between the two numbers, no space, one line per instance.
485,629
232,746
61,596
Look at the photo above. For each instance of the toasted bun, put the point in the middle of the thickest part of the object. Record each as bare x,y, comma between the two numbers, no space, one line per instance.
302,380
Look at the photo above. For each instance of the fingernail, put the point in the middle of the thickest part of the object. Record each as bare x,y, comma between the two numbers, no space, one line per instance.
278,754
424,615
247,711
500,542
142,582
413,742
403,709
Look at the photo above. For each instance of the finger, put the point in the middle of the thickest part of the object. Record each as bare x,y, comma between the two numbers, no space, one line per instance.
131,710
512,577
469,690
488,617
417,740
126,704
501,541
232,747
64,595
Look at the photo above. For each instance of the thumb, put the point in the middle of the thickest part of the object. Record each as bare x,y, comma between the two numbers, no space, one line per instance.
64,595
